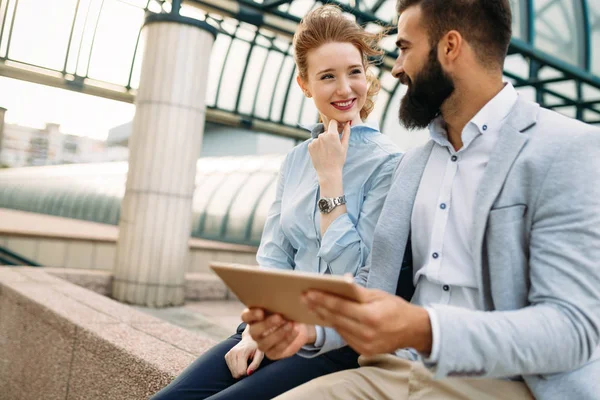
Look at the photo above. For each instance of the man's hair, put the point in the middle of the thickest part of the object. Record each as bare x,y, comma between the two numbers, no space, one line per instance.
485,24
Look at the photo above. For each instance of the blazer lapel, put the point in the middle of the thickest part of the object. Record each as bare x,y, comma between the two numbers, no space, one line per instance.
393,228
510,142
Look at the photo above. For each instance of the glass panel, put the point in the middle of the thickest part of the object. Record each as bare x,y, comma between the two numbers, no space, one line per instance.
519,18
218,205
295,99
262,210
380,103
556,29
310,115
232,73
301,8
113,50
77,37
41,32
287,74
217,59
85,47
243,205
192,12
265,93
253,74
387,12
594,20
246,32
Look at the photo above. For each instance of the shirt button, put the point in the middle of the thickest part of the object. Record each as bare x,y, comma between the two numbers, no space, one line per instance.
454,158
443,206
484,127
446,288
435,255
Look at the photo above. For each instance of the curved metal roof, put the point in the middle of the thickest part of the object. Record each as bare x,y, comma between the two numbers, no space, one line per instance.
231,200
555,54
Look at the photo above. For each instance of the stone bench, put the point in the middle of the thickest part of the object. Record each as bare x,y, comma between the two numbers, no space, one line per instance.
62,341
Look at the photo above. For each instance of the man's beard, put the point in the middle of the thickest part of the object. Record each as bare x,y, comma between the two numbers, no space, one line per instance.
425,95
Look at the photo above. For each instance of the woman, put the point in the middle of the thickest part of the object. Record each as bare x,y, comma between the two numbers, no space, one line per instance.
329,195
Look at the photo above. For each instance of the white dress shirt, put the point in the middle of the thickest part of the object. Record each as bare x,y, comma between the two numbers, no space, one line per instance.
443,211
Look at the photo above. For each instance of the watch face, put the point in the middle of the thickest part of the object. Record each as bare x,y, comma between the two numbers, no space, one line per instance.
323,205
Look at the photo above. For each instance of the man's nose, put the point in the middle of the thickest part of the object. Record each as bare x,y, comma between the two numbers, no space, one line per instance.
398,68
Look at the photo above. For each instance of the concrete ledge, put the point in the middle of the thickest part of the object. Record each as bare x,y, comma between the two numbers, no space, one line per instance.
32,225
62,341
198,286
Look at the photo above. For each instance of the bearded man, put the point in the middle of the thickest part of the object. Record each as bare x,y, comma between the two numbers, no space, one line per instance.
484,277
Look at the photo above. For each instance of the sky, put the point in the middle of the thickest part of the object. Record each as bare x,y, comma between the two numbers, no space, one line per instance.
35,105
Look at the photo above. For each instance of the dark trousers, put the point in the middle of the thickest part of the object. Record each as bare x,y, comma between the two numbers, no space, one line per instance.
209,377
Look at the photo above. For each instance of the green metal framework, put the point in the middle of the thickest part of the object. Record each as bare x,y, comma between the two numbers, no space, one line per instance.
554,55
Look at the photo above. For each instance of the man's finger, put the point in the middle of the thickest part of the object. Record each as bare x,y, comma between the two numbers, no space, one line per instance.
253,315
268,342
341,323
282,348
258,330
333,304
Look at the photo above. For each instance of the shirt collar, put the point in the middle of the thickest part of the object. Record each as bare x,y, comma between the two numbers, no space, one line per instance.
367,127
488,119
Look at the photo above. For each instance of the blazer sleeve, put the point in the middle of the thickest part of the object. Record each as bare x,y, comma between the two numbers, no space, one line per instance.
560,329
275,249
345,246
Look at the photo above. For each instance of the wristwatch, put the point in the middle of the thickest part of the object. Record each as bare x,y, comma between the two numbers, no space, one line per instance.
327,204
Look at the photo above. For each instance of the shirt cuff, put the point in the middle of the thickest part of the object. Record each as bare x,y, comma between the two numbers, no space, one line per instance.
340,234
320,340
435,342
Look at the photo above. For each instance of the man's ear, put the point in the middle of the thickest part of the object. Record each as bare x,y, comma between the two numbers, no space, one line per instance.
450,47
303,86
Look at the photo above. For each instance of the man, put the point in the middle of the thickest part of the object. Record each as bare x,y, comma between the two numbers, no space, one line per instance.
496,222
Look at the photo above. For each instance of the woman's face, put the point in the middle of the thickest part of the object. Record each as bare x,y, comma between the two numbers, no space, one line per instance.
336,81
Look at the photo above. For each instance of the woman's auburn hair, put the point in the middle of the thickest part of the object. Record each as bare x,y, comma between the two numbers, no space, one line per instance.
327,24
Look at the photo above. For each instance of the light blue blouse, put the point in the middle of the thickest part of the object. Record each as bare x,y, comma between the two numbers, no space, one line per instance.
292,235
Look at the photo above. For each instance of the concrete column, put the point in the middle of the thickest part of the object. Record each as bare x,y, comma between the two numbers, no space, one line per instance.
155,224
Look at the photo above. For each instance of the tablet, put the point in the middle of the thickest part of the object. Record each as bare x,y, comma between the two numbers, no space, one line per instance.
280,291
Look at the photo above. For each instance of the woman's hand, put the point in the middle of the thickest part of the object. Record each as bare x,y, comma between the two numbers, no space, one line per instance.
238,357
328,152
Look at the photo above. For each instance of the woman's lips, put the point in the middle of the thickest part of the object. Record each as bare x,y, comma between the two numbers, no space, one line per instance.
344,105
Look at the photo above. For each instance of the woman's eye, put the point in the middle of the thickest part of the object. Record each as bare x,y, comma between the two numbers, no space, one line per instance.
326,76
356,71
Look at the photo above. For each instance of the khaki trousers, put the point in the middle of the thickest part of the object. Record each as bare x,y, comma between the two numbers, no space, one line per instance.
390,377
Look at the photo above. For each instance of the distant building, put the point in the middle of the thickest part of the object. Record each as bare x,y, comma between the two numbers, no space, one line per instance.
218,140
22,146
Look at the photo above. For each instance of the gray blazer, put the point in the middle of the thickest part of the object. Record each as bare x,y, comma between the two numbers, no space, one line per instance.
536,252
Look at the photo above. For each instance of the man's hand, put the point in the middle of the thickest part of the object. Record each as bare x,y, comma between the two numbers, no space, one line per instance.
238,357
275,336
381,323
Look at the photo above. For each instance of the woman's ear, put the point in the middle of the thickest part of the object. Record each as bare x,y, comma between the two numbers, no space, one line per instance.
303,87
